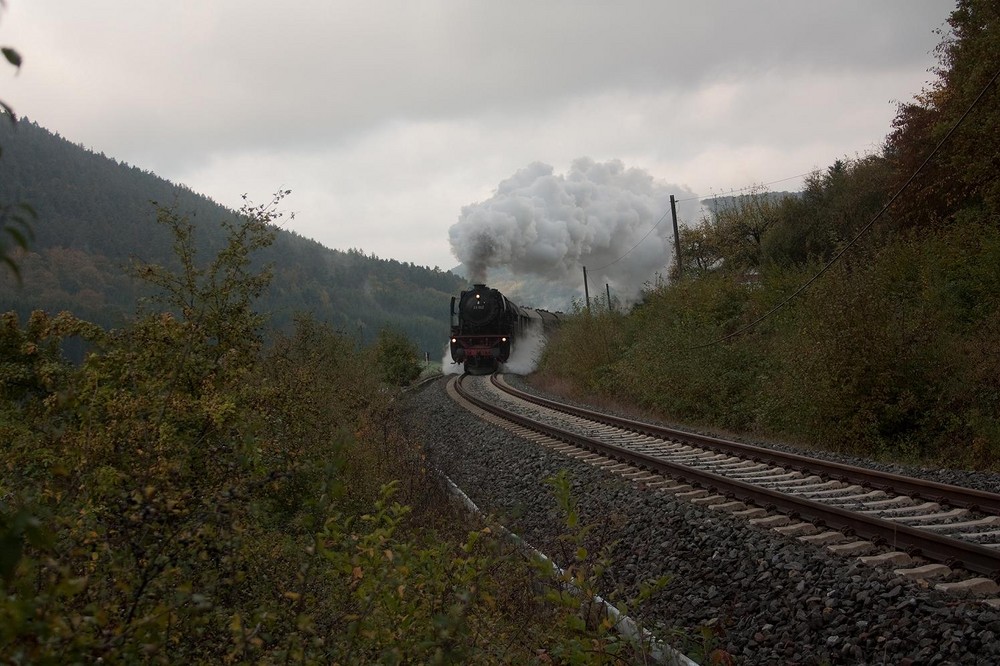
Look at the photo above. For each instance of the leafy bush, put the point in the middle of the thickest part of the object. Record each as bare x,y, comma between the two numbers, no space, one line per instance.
165,491
185,494
887,355
397,358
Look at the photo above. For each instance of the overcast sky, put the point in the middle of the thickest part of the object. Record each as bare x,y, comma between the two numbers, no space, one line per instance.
385,119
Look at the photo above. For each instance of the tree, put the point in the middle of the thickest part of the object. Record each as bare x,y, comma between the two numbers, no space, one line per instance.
835,204
731,239
215,302
700,248
397,358
963,173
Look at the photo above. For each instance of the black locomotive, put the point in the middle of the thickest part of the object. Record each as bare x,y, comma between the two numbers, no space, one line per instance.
488,327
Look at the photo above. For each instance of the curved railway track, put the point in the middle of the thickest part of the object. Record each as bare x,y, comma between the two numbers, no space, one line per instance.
956,526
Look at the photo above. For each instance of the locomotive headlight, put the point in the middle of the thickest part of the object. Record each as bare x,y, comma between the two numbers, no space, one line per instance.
503,339
477,297
454,339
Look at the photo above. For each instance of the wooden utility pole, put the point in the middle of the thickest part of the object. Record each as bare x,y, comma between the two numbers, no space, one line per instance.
677,237
586,288
608,288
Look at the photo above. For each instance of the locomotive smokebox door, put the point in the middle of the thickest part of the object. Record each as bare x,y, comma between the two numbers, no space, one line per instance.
479,306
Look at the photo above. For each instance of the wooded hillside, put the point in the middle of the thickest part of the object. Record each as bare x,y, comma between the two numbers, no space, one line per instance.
94,215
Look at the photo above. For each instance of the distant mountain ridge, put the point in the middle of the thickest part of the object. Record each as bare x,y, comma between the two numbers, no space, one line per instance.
95,213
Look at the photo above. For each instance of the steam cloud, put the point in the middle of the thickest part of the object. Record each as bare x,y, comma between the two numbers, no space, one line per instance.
527,351
552,225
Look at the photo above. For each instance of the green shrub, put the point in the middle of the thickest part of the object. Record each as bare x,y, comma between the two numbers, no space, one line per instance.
187,495
889,354
397,358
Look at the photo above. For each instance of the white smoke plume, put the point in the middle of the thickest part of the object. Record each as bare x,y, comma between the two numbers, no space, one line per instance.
551,226
527,350
448,366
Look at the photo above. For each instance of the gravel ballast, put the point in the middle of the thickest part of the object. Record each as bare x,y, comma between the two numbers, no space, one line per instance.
763,598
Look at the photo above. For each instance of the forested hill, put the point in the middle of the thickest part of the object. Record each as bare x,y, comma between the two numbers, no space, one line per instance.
95,214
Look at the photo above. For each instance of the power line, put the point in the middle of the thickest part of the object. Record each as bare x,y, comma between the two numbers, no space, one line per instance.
748,187
636,245
864,229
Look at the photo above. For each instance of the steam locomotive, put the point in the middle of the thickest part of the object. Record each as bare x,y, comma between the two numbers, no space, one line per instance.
488,327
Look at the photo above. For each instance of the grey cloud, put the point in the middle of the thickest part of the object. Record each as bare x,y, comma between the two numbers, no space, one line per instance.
227,73
398,113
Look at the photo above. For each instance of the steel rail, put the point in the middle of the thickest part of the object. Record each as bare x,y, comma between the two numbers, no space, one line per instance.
942,493
973,557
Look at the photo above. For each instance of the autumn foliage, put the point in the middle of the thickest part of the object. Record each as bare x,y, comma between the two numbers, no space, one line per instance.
888,351
188,493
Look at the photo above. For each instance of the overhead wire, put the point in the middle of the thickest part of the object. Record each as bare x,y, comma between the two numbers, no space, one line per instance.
747,188
662,217
863,230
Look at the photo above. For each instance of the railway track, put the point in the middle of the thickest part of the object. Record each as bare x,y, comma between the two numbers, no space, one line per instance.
850,510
